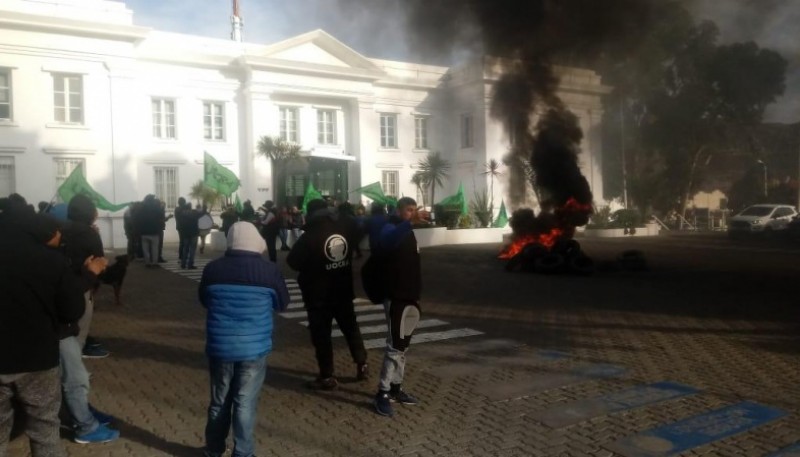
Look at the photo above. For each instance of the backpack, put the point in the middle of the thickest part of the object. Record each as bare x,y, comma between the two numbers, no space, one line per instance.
373,278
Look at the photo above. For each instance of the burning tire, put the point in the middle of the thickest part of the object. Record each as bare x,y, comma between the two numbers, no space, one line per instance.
550,263
581,264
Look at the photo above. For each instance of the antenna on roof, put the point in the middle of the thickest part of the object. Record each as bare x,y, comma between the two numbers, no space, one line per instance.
236,23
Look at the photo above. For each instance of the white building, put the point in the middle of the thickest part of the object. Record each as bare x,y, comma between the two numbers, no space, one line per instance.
81,84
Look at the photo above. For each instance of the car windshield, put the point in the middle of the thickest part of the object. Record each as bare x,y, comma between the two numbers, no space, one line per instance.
757,211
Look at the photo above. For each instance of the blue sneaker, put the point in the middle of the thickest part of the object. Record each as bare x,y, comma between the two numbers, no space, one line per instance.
102,434
383,405
101,417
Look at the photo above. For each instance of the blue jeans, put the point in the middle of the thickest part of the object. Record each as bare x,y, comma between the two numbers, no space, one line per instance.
75,386
235,388
189,249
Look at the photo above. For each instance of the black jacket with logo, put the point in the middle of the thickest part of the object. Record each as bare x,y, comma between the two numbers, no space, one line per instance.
323,258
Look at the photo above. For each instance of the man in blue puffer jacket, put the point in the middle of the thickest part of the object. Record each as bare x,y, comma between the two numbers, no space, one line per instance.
240,291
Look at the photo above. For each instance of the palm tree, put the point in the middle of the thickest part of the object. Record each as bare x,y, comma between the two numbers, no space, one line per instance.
204,195
418,180
281,153
492,169
434,169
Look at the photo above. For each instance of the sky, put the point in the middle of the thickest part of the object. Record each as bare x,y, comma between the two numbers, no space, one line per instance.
378,30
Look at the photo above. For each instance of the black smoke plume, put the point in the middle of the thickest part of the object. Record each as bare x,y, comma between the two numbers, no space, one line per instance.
529,39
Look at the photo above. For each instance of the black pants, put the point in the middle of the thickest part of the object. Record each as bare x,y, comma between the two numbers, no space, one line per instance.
271,239
320,321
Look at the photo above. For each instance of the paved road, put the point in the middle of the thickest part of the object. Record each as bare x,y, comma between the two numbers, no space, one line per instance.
515,364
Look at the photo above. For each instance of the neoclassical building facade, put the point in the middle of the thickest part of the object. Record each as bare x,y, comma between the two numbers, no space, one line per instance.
82,85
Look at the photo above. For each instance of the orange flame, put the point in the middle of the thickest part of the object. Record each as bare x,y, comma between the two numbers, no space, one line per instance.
544,239
549,239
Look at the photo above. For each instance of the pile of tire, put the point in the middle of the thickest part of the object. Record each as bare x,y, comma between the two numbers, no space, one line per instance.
565,257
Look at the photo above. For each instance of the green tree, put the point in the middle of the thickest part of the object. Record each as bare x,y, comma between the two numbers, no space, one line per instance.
281,153
434,170
492,169
676,97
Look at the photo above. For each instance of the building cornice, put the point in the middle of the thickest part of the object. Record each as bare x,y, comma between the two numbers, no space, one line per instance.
121,32
291,66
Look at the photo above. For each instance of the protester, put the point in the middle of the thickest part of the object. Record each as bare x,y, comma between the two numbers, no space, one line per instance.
164,219
248,213
296,223
322,256
191,231
374,225
204,224
39,294
269,227
229,217
240,291
150,220
400,261
283,227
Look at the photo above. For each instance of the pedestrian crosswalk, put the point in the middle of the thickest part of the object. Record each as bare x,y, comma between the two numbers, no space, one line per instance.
428,330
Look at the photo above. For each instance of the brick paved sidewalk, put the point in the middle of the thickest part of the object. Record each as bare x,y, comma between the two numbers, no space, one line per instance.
483,395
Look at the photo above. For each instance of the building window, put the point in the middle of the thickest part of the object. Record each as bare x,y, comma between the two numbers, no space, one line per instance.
389,181
68,98
213,121
65,167
421,132
467,131
389,131
288,127
166,185
326,126
8,182
163,118
5,94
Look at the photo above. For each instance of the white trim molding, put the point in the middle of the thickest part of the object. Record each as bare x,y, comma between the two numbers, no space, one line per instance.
69,151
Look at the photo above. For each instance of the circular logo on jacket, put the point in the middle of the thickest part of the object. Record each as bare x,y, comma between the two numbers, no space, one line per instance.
336,248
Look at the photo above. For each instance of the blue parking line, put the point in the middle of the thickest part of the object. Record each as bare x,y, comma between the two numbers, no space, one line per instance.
564,414
791,451
696,431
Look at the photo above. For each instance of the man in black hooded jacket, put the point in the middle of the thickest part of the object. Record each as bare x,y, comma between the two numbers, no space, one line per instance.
39,295
322,256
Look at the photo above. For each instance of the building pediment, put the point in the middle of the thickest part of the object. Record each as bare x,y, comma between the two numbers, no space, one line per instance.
316,49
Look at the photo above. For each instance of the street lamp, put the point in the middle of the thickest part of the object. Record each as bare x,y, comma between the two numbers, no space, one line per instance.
763,164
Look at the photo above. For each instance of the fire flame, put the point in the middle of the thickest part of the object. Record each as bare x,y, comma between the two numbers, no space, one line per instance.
571,208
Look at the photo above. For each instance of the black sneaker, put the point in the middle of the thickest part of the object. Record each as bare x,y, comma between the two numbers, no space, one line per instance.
323,384
362,372
383,404
400,396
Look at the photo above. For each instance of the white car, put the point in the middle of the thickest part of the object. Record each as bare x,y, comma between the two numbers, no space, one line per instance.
765,219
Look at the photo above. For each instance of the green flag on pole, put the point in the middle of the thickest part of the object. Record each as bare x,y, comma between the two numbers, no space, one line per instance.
502,217
217,177
457,201
76,184
311,194
238,204
375,193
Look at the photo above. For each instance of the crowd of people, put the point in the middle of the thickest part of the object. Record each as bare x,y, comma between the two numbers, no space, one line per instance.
47,317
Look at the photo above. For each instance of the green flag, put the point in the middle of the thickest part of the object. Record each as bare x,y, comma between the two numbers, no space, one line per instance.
502,217
311,194
238,205
457,201
76,184
217,177
375,193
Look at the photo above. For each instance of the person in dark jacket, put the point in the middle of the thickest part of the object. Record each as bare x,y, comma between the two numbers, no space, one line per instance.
229,217
39,295
374,224
240,292
191,232
180,226
322,256
400,253
269,226
150,221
